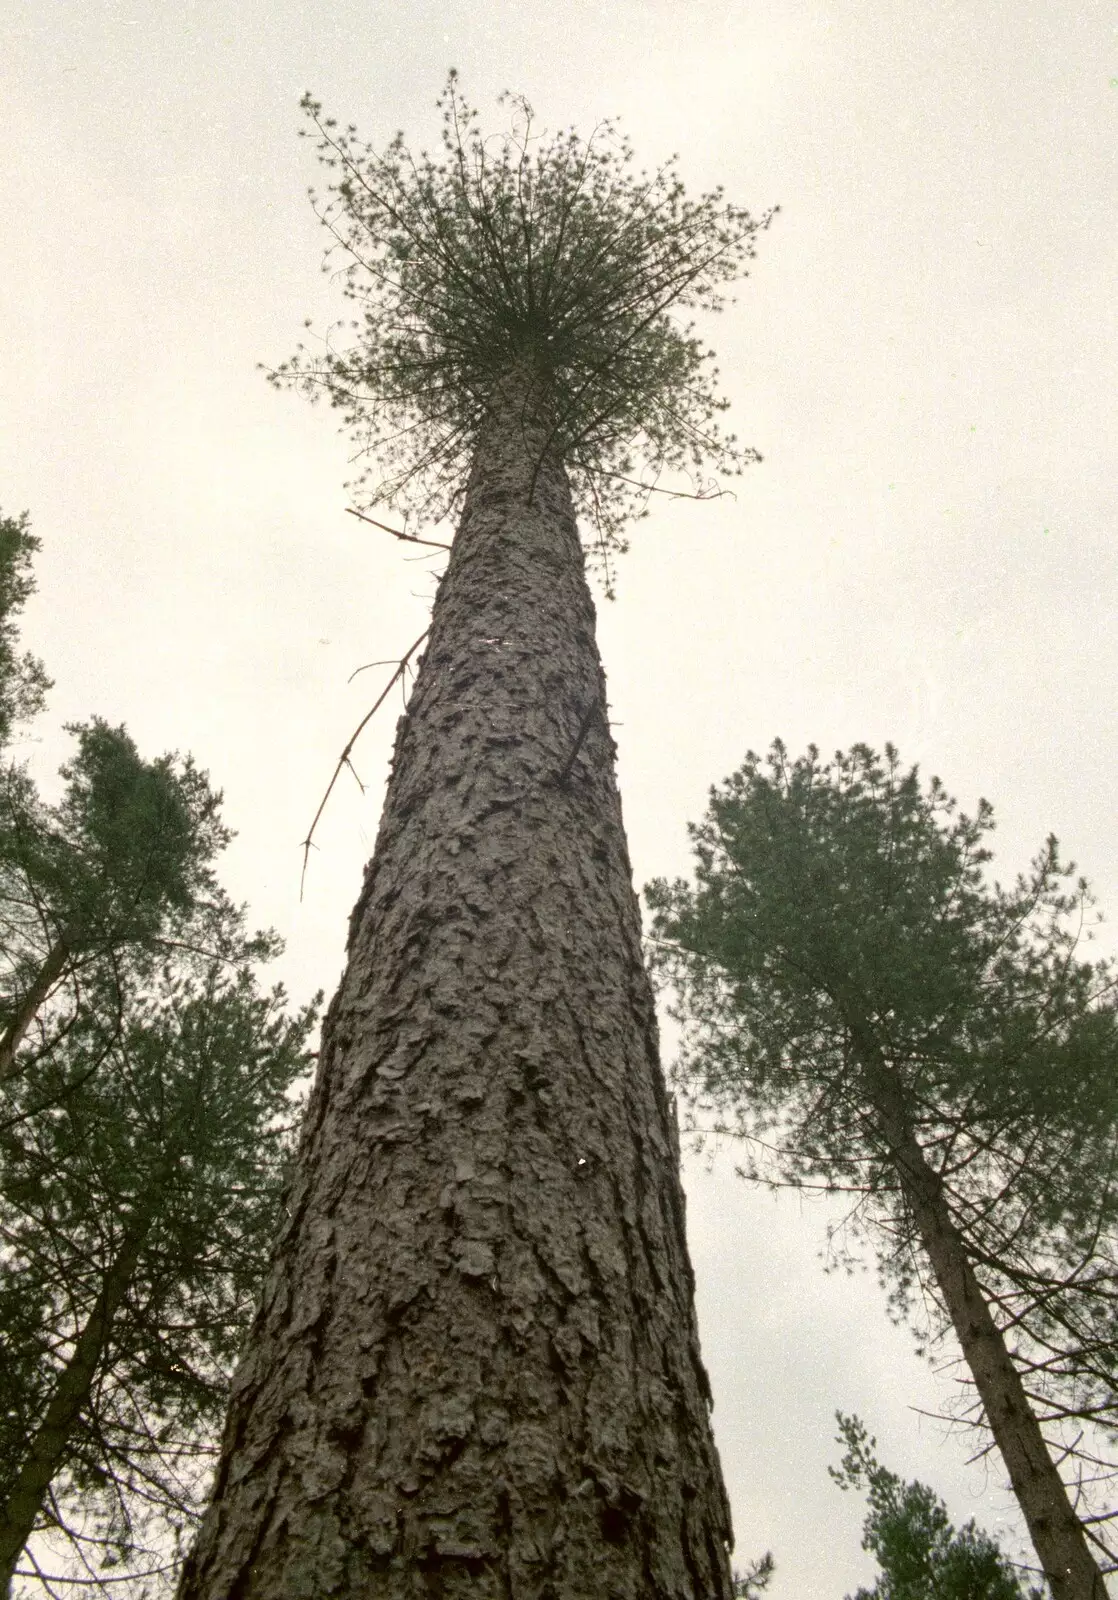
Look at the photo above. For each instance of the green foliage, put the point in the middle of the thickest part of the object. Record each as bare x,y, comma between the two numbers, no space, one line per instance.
23,679
119,870
842,917
555,260
186,1117
121,864
128,846
753,1582
146,1118
921,1556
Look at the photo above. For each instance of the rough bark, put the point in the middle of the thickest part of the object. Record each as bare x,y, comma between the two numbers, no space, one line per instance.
475,1370
1057,1534
28,1008
49,1449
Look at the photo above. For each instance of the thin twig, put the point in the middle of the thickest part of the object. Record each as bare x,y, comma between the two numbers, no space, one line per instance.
389,661
672,494
343,759
409,538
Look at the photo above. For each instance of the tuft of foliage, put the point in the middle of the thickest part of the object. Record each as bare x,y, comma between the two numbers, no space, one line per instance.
921,1555
752,1583
518,254
842,928
117,872
131,840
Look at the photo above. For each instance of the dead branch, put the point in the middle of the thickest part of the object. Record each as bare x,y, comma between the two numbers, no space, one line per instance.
672,494
408,538
343,759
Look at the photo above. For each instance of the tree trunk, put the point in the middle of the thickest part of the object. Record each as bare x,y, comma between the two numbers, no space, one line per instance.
28,1008
50,1446
476,1370
1057,1534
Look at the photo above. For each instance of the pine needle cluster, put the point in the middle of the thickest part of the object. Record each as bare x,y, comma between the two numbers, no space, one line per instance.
520,253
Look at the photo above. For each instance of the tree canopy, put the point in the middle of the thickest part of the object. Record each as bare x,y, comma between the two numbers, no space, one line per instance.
146,1119
845,966
123,858
126,854
515,253
920,1554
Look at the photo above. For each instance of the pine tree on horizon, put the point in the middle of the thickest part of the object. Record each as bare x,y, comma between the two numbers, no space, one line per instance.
476,1368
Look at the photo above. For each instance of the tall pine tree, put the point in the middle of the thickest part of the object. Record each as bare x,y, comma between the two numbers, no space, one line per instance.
873,1016
476,1368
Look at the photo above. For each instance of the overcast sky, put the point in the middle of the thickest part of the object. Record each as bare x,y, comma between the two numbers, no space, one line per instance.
924,355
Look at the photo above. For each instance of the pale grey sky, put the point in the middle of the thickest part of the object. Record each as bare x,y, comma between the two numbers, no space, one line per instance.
925,354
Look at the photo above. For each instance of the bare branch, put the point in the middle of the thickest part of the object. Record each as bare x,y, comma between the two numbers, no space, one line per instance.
410,538
343,759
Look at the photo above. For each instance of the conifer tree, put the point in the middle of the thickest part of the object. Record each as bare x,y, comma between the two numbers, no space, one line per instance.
920,1554
145,1127
872,1015
476,1368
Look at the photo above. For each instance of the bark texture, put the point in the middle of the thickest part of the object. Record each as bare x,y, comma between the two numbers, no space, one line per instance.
1057,1534
476,1370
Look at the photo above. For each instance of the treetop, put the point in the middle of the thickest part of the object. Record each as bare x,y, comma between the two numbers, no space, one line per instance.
520,252
867,1010
921,1555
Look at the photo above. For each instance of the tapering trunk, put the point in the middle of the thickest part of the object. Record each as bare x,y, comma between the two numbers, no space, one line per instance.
476,1370
28,1008
1057,1534
49,1449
